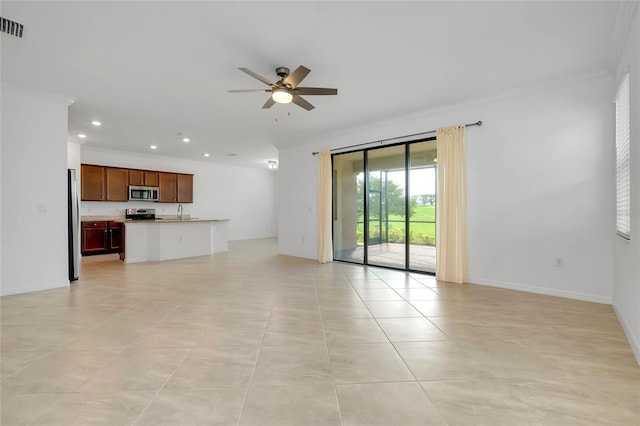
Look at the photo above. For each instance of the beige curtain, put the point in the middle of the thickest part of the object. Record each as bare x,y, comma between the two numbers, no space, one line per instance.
451,210
325,242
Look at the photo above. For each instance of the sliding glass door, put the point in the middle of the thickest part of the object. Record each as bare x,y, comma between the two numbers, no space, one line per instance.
422,205
384,206
386,210
348,207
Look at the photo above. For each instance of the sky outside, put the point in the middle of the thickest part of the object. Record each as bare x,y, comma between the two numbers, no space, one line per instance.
423,181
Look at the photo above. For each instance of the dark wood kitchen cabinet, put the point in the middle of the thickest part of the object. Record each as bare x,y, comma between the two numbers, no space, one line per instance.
121,235
100,183
114,237
99,237
117,184
94,237
104,183
143,178
175,188
185,188
168,183
92,179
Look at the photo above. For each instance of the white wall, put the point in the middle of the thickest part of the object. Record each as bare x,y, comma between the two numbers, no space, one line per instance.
540,179
626,291
73,156
297,216
247,196
34,191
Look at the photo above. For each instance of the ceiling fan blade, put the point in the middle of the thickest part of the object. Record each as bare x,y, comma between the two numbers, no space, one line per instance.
270,102
300,101
315,91
256,76
248,90
296,76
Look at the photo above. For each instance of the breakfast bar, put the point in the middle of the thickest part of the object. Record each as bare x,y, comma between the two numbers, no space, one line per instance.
166,239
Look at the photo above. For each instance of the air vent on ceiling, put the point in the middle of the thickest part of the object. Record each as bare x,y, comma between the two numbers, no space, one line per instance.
11,27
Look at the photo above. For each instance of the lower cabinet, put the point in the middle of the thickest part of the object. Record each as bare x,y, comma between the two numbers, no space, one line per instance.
122,240
100,237
114,237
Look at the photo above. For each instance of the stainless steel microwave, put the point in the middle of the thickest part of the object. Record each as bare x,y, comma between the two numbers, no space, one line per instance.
143,193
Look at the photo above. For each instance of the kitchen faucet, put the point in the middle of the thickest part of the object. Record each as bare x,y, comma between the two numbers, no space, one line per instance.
180,211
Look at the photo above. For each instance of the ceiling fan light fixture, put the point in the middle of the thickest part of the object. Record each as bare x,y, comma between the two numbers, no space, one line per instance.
281,96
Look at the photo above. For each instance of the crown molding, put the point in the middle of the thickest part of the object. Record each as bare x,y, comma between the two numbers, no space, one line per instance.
624,18
68,100
410,121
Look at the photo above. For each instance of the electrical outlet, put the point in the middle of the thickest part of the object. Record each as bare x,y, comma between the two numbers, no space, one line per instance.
559,262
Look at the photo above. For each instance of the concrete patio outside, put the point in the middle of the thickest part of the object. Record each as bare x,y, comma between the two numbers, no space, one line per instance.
392,255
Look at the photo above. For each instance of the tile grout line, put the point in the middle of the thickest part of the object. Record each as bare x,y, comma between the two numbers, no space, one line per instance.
405,362
153,398
255,364
416,381
326,344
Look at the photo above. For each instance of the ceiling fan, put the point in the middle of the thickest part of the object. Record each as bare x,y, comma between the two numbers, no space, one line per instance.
286,89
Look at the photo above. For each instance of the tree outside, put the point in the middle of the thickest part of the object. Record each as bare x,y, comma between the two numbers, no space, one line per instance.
387,213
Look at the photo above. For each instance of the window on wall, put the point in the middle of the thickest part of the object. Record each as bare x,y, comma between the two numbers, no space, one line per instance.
623,161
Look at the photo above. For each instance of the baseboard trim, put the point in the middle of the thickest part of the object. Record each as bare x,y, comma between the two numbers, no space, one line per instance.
296,254
542,290
631,338
31,289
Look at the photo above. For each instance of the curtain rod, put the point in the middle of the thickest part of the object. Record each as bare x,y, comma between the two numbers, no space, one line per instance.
477,123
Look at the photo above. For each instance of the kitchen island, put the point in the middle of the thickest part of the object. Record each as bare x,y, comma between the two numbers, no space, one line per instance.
166,239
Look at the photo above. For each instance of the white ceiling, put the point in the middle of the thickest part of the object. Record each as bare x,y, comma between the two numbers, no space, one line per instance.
150,70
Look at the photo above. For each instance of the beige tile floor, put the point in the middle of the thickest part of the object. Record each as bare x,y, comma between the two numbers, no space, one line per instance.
252,338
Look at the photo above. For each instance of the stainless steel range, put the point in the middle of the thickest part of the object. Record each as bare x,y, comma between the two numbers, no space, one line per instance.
140,214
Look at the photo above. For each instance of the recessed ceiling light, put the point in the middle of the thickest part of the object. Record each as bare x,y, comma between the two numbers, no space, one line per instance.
82,136
186,140
206,154
153,147
96,123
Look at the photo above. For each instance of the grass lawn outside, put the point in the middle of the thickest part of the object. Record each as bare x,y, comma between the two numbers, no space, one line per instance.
420,233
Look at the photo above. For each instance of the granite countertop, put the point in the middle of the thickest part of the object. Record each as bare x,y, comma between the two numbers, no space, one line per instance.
102,218
175,220
159,219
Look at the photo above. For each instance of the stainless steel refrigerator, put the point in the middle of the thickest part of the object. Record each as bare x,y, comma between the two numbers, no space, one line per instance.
73,224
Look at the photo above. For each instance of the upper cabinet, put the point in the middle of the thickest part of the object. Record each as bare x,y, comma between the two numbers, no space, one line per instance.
151,178
92,179
117,184
185,188
102,183
143,178
175,188
168,183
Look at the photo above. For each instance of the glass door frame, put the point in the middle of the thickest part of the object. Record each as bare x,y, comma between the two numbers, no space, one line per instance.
365,201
